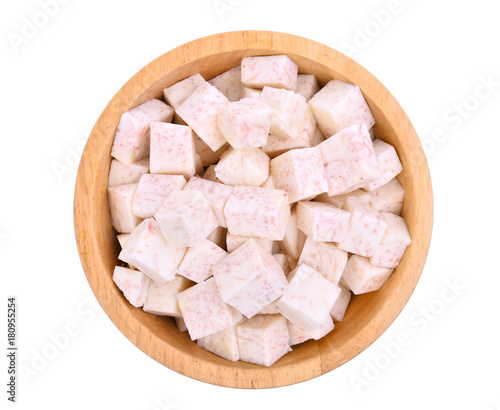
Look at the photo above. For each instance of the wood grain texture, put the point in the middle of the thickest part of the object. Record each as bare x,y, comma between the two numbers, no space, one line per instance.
368,315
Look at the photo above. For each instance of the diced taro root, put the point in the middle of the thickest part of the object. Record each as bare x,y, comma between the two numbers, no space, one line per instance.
162,298
245,167
292,117
246,123
273,71
181,325
199,260
294,239
208,157
249,278
132,283
223,344
388,164
268,183
218,236
325,258
322,222
204,312
209,174
147,250
308,299
283,262
301,173
229,83
172,149
263,339
176,94
186,218
340,306
350,160
394,243
388,198
248,92
131,141
297,335
257,212
278,145
339,200
366,228
123,174
318,137
199,111
216,194
233,242
152,191
339,105
120,207
307,85
363,277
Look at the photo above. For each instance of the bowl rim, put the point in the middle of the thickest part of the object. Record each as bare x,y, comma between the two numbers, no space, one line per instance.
86,206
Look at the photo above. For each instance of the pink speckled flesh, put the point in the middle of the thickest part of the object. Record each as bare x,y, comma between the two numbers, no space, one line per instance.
273,71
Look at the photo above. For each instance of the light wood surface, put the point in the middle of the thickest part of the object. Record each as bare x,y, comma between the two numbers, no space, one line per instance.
368,315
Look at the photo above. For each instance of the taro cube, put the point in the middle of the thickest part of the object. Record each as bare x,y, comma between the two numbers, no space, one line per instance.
216,194
307,85
325,258
292,117
152,191
340,306
233,242
388,198
176,94
257,212
362,277
131,141
388,164
229,83
147,250
199,111
132,283
172,149
199,260
245,123
298,335
301,173
339,105
268,183
249,278
204,312
339,200
162,298
308,299
322,222
278,145
186,218
366,228
120,207
244,167
394,242
263,339
223,344
350,160
123,174
208,157
248,92
273,71
294,238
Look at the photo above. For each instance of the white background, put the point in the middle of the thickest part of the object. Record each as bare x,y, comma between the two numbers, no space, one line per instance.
431,55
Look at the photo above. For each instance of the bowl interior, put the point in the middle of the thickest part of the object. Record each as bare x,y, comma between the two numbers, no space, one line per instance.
368,315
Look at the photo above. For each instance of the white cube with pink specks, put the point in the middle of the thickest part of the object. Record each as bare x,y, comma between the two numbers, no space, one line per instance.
388,198
322,222
120,200
257,212
298,335
199,260
133,283
307,86
294,238
273,71
223,344
249,278
162,297
123,174
340,306
363,277
394,242
388,163
243,167
229,83
176,94
339,105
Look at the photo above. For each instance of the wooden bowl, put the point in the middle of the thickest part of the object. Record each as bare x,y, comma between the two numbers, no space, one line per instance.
368,316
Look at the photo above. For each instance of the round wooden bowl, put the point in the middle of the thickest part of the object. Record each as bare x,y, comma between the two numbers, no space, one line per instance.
368,315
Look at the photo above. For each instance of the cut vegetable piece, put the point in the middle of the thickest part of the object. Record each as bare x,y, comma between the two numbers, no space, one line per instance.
388,164
199,260
363,277
133,284
307,85
298,335
244,167
223,344
274,71
162,298
229,83
120,207
176,94
123,174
